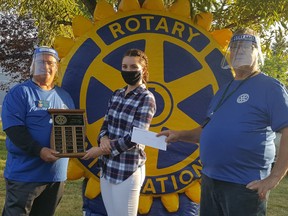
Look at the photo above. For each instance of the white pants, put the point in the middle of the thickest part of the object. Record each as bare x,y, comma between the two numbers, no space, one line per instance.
122,199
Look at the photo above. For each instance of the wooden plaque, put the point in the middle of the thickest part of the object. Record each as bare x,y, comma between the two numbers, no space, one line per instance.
68,132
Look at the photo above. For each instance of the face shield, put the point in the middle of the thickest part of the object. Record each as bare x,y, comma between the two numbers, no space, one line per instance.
44,59
244,52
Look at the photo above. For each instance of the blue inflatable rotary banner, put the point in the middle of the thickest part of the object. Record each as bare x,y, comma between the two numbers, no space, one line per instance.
184,66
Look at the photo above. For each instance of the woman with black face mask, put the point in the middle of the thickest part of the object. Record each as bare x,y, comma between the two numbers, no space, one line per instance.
123,161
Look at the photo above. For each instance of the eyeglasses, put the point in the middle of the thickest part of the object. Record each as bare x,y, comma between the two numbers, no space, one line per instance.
49,63
243,46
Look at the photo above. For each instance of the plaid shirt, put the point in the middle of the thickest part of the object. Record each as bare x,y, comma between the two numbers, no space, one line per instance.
136,109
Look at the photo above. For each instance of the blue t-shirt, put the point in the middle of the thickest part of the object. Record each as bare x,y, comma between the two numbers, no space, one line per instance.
237,144
26,104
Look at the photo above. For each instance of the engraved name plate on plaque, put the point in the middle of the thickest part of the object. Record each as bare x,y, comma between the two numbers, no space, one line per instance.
68,132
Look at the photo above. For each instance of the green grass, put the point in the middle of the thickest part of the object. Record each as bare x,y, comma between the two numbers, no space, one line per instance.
71,203
2,164
277,205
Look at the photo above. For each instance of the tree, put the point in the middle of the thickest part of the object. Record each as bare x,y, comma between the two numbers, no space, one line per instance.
26,28
276,61
18,36
54,18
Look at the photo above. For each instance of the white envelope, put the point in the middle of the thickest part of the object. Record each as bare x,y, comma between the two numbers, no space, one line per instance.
148,138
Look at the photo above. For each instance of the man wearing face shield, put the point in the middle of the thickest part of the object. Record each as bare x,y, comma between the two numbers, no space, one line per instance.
237,138
245,55
34,175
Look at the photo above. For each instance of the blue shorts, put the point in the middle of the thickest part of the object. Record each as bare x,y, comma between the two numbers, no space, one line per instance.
220,198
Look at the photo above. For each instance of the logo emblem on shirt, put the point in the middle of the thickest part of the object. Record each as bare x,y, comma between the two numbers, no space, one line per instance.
243,98
42,104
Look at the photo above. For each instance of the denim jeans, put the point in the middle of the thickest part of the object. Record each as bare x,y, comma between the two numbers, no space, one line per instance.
220,198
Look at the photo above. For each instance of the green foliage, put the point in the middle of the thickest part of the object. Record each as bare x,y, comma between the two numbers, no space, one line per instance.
276,62
257,14
51,17
51,14
276,67
25,24
54,18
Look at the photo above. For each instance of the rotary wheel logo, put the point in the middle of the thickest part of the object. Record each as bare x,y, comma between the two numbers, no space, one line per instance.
60,120
185,72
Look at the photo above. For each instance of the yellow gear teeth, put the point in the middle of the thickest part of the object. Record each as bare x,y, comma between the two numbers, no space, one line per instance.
194,191
81,25
103,10
157,5
63,45
145,203
74,171
156,19
222,37
181,8
129,5
204,20
171,202
92,188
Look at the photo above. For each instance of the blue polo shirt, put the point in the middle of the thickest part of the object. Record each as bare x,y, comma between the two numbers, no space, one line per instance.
27,104
237,144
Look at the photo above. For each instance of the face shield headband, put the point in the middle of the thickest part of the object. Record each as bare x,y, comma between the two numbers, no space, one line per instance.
244,51
44,59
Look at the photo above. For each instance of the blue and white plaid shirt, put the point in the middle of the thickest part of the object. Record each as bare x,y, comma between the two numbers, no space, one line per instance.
136,109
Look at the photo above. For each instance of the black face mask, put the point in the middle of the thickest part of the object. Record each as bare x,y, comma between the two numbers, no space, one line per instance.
131,77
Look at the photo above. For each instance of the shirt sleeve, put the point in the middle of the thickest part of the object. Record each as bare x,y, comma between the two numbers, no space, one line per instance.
21,137
278,106
13,120
14,108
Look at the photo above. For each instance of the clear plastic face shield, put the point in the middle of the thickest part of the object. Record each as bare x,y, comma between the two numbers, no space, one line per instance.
244,53
45,59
